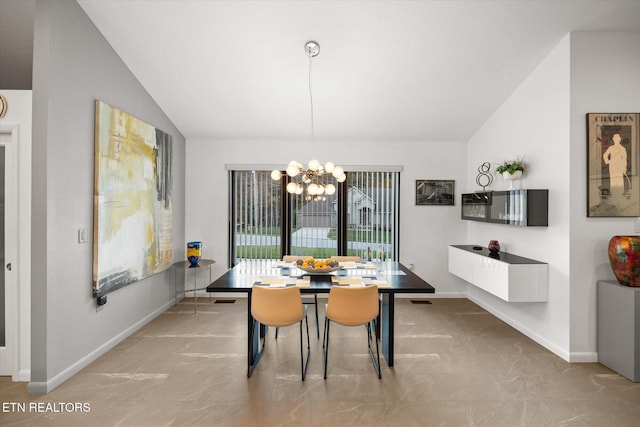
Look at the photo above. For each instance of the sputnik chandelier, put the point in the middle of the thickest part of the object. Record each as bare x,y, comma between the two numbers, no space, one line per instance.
316,177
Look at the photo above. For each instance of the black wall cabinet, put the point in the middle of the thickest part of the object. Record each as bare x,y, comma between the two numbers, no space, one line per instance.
512,207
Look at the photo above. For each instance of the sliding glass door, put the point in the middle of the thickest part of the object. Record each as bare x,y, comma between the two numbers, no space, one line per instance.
361,218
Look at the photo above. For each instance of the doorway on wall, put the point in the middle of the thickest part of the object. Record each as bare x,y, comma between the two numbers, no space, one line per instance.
8,250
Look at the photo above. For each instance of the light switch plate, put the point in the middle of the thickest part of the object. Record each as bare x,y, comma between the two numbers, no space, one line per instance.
82,235
636,226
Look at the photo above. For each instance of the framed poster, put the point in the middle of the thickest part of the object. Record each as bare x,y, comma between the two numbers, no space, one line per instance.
434,192
132,225
613,184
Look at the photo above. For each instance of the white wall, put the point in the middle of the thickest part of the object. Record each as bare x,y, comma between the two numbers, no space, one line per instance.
426,231
533,122
73,66
605,77
545,120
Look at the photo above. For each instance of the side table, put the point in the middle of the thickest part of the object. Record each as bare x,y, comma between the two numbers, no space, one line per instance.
186,265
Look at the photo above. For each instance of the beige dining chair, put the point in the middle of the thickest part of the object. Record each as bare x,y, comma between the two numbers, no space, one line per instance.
352,306
306,299
345,258
278,307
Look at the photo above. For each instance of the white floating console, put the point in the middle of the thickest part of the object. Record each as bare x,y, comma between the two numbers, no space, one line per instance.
507,276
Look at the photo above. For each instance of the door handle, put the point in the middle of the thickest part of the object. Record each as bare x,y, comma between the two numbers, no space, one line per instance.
9,266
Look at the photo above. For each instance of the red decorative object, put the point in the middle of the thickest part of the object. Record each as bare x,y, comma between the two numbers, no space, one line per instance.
494,246
624,257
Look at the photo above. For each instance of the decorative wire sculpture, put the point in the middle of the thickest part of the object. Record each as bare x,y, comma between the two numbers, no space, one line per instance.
484,178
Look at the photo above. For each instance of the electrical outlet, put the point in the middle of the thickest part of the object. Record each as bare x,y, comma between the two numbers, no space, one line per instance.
82,235
636,226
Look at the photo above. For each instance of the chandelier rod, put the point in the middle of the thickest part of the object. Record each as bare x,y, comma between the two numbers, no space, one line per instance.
311,53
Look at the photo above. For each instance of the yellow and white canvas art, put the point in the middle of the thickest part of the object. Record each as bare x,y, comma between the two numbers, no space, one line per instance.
132,231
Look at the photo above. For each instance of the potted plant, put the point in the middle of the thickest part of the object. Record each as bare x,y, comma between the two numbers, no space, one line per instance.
511,169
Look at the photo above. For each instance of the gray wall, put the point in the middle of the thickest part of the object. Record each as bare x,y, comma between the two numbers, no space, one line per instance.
73,66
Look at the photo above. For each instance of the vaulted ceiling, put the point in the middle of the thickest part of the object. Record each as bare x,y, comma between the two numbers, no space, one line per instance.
387,70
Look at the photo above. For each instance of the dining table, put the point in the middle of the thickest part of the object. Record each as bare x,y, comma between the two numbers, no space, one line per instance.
391,277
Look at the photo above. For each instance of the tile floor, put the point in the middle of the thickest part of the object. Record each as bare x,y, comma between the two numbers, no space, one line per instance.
456,365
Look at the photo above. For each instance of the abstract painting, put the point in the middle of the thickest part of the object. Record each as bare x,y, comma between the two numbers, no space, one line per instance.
132,224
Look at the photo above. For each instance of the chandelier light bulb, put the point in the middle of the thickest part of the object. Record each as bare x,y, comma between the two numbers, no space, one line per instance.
292,170
337,171
299,189
320,189
314,165
292,187
312,189
276,174
328,167
341,178
330,189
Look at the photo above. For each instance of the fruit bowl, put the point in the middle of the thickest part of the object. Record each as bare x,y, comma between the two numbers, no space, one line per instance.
317,266
321,270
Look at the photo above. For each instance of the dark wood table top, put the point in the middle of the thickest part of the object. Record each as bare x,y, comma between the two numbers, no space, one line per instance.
398,277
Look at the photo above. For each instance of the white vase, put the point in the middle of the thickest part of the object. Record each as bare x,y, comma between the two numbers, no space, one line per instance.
508,176
513,179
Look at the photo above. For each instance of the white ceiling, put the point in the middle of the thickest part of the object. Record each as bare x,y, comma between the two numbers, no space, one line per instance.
387,70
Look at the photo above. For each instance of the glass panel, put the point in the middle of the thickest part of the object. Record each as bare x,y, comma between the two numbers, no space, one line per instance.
372,210
509,207
312,222
256,215
474,205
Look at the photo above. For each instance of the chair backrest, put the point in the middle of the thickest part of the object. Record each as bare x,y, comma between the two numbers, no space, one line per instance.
293,258
345,258
352,306
276,306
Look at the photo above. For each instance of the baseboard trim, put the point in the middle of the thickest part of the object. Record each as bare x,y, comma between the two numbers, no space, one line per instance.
24,375
37,387
583,357
42,387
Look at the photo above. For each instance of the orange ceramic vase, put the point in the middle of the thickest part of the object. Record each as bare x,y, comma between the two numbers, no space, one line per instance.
624,257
